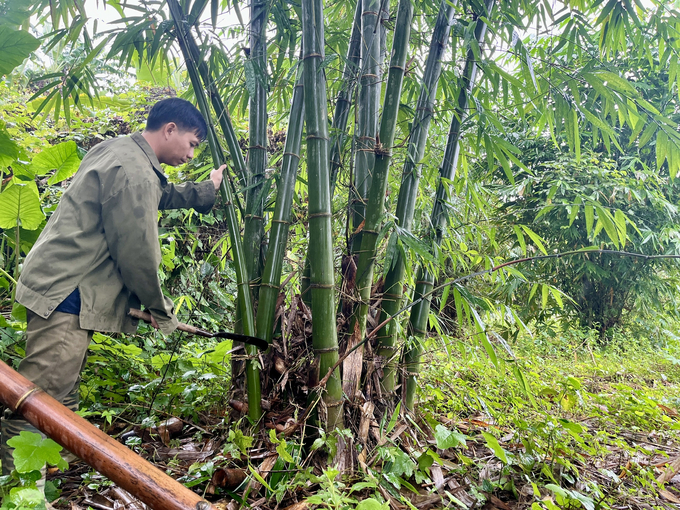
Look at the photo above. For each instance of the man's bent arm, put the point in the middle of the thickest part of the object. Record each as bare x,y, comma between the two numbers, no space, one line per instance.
130,225
189,195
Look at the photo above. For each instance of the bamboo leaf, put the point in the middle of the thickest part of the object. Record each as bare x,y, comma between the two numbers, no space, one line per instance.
544,296
481,331
647,134
535,238
661,148
575,208
590,217
532,293
605,218
620,220
520,239
558,296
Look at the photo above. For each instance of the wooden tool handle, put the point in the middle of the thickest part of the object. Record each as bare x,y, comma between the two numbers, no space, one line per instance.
146,317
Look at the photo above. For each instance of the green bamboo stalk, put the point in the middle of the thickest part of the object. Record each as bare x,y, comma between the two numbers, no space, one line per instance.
245,304
220,111
409,188
367,123
344,99
257,151
420,312
376,201
324,336
278,236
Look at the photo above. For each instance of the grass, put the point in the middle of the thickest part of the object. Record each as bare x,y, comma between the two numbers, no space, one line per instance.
596,431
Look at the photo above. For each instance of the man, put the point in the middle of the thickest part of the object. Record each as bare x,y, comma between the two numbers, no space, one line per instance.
99,253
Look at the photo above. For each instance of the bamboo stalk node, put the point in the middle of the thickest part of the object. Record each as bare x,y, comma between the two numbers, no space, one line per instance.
281,221
367,13
257,147
271,285
320,215
369,76
321,286
317,137
387,347
381,150
326,349
23,398
291,154
333,404
312,55
253,217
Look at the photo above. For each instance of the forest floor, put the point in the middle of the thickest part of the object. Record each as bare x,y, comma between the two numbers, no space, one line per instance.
557,423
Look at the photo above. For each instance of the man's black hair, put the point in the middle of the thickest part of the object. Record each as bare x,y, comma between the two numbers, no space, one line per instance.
181,112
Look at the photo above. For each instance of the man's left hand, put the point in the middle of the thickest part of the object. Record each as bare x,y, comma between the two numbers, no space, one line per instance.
216,176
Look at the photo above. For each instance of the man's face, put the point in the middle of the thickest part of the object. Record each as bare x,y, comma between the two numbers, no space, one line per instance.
179,145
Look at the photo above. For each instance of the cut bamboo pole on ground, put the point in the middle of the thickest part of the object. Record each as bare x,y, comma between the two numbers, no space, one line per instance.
106,455
425,281
409,189
322,277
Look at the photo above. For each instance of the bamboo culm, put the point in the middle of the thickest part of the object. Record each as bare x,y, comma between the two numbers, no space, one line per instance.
253,234
409,188
367,115
425,281
244,301
343,101
278,236
376,201
322,278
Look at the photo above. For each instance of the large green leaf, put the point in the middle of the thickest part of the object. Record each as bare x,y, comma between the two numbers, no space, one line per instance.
8,149
62,158
32,452
15,47
20,202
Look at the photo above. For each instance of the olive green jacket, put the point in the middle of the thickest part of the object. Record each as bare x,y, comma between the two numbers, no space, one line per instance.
103,239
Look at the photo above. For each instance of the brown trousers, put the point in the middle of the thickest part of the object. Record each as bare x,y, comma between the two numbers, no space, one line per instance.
56,352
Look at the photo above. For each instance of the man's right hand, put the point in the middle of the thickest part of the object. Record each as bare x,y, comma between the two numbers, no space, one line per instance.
216,176
154,323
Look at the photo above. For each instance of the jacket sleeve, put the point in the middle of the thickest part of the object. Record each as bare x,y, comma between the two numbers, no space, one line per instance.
131,228
189,195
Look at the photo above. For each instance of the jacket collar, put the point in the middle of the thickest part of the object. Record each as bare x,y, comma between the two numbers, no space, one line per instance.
148,151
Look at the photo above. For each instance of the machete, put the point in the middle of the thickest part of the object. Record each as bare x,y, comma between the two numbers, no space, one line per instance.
193,330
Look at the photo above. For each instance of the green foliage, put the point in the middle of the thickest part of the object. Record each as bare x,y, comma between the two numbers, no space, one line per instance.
20,206
15,46
32,452
62,159
595,201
